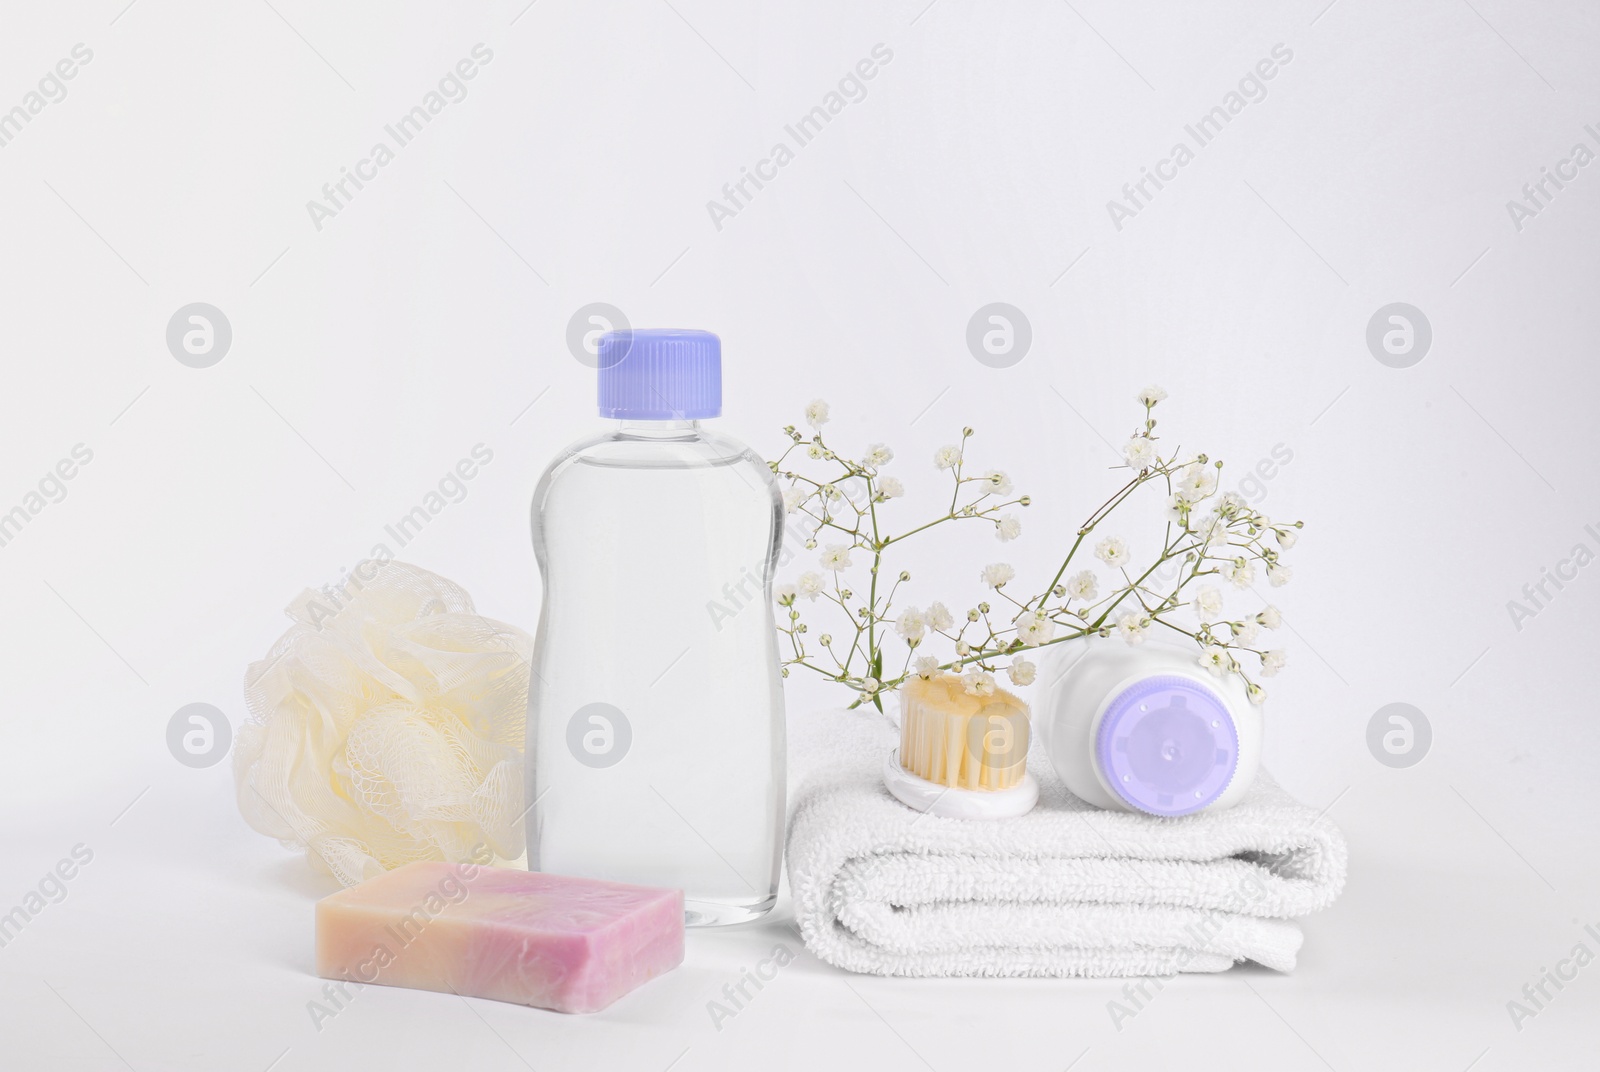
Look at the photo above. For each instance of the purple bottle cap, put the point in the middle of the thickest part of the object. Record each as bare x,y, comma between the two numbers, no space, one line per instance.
660,374
1167,745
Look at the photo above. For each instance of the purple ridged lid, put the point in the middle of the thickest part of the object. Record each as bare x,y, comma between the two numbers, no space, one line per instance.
1167,745
660,374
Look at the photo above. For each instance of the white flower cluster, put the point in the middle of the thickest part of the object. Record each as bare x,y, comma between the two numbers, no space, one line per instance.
1209,536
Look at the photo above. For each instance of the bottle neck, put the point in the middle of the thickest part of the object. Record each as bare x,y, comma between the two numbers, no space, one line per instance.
658,429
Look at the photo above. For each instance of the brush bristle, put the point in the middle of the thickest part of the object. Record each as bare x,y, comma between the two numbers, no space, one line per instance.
953,738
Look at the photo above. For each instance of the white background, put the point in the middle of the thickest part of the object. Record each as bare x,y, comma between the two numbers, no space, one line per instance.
430,315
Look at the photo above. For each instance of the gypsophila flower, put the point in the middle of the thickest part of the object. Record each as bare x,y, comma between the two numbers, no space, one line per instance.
1150,396
836,557
947,457
939,617
784,595
1140,451
878,454
1007,528
1287,538
997,483
1034,627
997,574
1208,602
926,666
911,625
1196,482
1245,632
1230,503
814,452
1272,662
1241,571
1217,660
811,584
1279,575
1021,672
793,497
1132,626
978,682
1270,617
817,413
891,488
963,649
1112,551
1257,694
1210,529
1083,585
869,685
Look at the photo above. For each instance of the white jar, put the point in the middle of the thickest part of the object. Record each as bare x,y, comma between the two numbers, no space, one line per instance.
1146,728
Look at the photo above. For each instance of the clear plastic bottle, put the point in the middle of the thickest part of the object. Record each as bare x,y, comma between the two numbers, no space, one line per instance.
655,716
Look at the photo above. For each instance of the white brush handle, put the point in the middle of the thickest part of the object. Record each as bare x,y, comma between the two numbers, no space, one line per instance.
922,795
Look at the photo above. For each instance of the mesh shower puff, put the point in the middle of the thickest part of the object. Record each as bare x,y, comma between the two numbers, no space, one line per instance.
386,727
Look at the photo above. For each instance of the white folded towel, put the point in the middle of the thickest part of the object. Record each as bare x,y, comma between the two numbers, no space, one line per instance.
1065,890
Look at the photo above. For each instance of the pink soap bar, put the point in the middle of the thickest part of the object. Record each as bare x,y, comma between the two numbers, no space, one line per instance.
569,944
